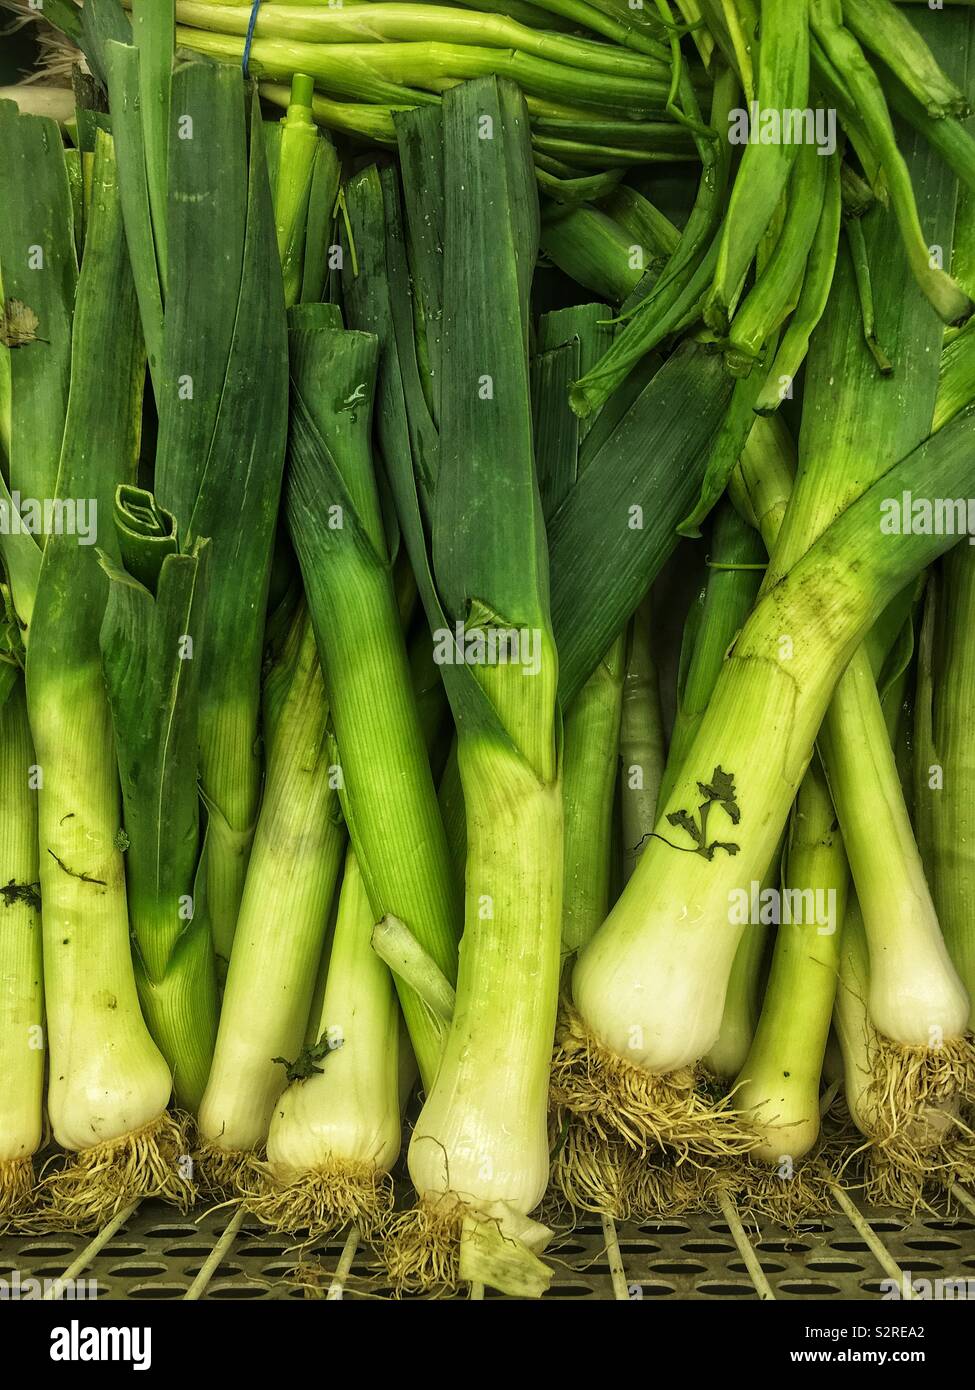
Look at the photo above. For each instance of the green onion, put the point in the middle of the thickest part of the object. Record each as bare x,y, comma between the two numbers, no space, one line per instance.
660,306
410,73
404,22
912,1149
783,85
774,294
841,48
888,33
913,987
779,1080
813,297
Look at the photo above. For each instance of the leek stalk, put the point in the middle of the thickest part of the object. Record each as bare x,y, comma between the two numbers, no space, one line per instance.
292,876
151,659
22,998
336,525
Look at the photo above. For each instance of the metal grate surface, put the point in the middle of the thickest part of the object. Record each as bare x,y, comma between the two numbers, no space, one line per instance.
156,1254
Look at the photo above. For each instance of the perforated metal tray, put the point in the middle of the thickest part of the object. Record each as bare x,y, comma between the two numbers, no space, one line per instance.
154,1253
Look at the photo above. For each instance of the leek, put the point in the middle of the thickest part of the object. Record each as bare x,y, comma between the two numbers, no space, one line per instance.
109,1084
477,1187
291,878
220,395
337,528
149,636
225,439
34,170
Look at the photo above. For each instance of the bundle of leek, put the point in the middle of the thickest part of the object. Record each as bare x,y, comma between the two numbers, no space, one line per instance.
721,823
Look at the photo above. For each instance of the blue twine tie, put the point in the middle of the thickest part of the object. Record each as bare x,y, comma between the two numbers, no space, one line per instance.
250,35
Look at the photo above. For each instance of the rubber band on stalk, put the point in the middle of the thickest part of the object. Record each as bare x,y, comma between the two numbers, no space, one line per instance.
248,40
